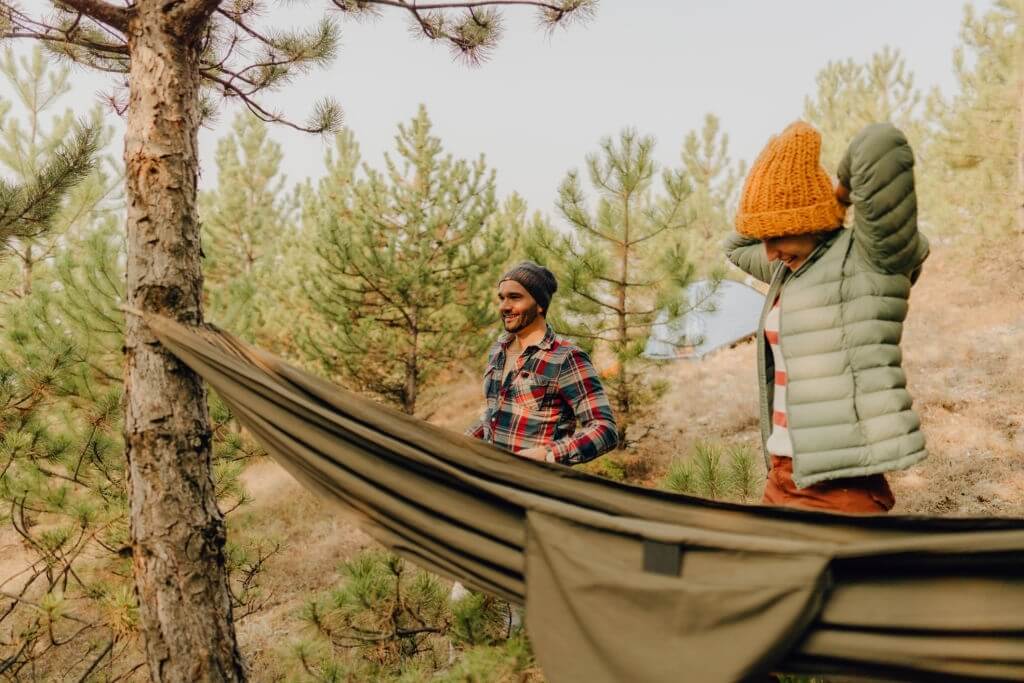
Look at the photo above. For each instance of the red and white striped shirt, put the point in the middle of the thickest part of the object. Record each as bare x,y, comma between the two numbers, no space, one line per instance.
779,443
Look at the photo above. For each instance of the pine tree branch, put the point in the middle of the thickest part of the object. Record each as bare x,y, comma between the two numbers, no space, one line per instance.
427,7
102,12
23,26
231,90
612,281
192,13
96,662
27,211
595,300
236,18
597,233
651,235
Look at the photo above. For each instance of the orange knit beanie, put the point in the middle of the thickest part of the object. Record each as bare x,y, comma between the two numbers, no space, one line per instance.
787,191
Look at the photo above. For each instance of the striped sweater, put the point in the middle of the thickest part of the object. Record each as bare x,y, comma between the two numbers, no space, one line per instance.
779,443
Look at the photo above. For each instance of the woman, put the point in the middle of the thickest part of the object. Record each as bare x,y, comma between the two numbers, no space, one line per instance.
835,411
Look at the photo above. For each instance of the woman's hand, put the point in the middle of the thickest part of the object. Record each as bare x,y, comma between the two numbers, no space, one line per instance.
843,194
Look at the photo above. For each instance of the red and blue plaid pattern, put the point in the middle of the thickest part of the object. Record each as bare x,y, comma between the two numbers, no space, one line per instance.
553,398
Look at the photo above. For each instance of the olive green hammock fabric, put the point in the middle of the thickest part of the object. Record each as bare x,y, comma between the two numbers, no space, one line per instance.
623,583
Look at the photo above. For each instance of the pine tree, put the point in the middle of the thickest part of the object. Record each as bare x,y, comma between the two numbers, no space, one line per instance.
56,179
248,222
622,263
979,140
388,621
716,182
406,265
851,95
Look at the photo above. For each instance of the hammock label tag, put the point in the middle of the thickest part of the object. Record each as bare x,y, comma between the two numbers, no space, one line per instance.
662,558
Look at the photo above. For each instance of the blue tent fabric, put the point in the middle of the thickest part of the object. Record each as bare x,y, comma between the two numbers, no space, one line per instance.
720,315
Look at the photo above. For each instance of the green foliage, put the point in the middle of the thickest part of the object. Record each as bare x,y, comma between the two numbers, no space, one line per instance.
26,211
977,182
57,179
624,260
679,477
745,474
608,467
716,183
250,239
407,260
717,471
64,476
851,95
387,620
506,662
479,619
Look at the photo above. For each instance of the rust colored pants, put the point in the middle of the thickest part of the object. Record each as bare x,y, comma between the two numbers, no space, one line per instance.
855,495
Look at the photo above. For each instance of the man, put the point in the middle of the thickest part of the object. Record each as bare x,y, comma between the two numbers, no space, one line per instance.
544,398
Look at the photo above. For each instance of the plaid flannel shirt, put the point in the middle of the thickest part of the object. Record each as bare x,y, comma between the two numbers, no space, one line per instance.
552,398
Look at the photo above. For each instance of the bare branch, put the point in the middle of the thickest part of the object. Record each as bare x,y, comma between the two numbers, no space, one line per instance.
231,90
415,7
23,26
102,12
193,13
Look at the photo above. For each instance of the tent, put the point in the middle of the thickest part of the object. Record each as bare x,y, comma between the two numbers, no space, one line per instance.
719,316
623,583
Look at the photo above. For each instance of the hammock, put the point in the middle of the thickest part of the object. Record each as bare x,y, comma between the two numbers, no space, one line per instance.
623,583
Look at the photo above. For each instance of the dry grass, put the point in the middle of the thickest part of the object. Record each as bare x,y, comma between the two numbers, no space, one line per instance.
315,540
963,355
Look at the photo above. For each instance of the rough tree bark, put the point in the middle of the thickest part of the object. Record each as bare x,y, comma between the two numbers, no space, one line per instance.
177,531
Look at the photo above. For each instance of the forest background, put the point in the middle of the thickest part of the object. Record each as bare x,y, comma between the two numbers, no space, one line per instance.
380,276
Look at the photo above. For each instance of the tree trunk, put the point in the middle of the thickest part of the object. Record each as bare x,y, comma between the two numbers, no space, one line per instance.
26,271
177,531
411,370
623,329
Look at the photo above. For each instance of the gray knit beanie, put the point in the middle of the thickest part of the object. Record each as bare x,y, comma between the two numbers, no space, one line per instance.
536,279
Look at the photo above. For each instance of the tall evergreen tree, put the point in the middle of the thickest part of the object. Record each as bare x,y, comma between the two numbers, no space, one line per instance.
715,180
174,54
979,139
407,264
622,262
851,95
248,222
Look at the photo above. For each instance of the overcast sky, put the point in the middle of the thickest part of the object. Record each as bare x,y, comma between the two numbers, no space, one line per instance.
542,102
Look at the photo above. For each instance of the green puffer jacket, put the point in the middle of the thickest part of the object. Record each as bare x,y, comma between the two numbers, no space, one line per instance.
842,312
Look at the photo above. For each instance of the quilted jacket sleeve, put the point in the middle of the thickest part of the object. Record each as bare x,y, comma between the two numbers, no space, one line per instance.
878,170
748,255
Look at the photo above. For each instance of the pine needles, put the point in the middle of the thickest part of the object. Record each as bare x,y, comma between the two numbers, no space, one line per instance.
716,471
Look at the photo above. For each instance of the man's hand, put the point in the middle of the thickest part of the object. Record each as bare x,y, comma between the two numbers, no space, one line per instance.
535,453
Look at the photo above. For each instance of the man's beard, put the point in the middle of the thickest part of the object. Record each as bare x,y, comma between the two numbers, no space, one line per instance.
525,319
